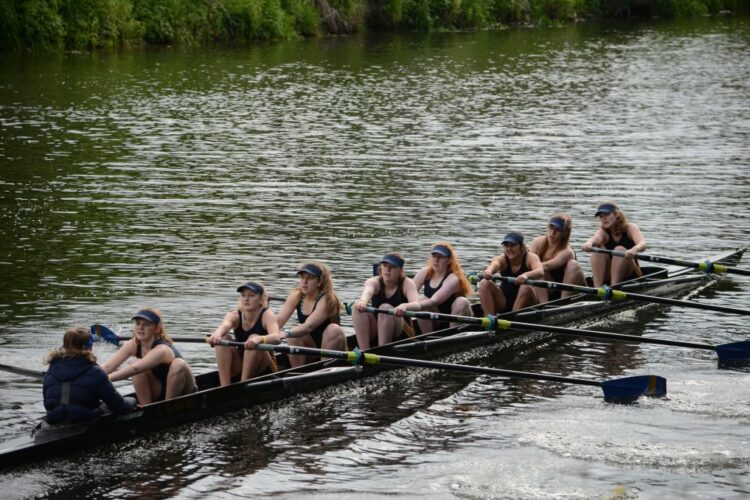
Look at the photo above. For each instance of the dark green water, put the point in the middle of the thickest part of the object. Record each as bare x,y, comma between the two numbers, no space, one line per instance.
168,177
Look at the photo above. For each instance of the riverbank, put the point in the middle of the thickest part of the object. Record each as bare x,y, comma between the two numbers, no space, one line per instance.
55,25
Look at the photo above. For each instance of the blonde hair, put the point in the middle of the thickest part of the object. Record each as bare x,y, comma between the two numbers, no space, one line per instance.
454,266
333,306
564,234
74,345
264,299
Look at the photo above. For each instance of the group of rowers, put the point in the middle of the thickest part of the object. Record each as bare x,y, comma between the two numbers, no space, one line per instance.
74,385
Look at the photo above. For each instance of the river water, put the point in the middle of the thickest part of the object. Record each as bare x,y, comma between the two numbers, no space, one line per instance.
168,177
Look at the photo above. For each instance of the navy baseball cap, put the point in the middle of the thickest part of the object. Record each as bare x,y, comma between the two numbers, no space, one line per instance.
513,238
558,223
310,269
393,260
441,250
607,208
148,316
252,286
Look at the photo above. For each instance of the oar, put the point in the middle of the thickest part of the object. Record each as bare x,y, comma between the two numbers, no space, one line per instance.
22,371
735,351
607,293
707,266
616,390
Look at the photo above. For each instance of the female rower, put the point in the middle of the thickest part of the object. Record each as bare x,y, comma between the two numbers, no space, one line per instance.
74,385
159,371
317,312
385,291
614,233
252,323
515,261
557,256
445,287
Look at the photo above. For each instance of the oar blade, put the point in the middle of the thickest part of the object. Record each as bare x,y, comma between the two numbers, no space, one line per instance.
628,389
734,352
105,334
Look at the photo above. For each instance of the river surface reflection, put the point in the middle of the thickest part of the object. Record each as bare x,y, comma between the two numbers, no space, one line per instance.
167,177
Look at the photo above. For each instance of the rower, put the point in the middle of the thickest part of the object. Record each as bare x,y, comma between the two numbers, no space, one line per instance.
444,287
614,233
159,371
317,309
74,385
252,323
557,256
516,261
387,290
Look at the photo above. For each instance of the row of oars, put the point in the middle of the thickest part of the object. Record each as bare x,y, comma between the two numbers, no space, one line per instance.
616,390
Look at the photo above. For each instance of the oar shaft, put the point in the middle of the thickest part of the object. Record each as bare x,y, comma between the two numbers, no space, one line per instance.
369,358
502,324
575,332
702,266
612,294
22,371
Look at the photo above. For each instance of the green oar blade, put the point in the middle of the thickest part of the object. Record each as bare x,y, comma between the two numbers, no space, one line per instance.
623,390
736,351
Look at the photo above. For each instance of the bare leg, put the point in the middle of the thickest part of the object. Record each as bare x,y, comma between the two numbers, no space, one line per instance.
146,386
622,268
365,327
490,297
389,327
525,298
180,379
306,341
600,268
461,307
573,276
253,363
228,362
334,338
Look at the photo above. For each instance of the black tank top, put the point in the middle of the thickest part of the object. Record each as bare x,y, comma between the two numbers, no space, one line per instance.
510,290
160,371
446,306
317,334
625,241
397,298
241,335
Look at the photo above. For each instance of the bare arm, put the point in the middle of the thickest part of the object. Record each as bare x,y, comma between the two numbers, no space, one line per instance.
119,357
287,308
536,270
496,265
316,318
272,327
635,234
558,260
231,320
368,292
156,356
598,239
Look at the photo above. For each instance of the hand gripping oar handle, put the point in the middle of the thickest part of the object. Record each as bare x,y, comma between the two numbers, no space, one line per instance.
608,293
727,352
706,266
615,390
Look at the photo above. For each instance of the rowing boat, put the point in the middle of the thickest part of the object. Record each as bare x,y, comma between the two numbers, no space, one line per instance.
46,441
